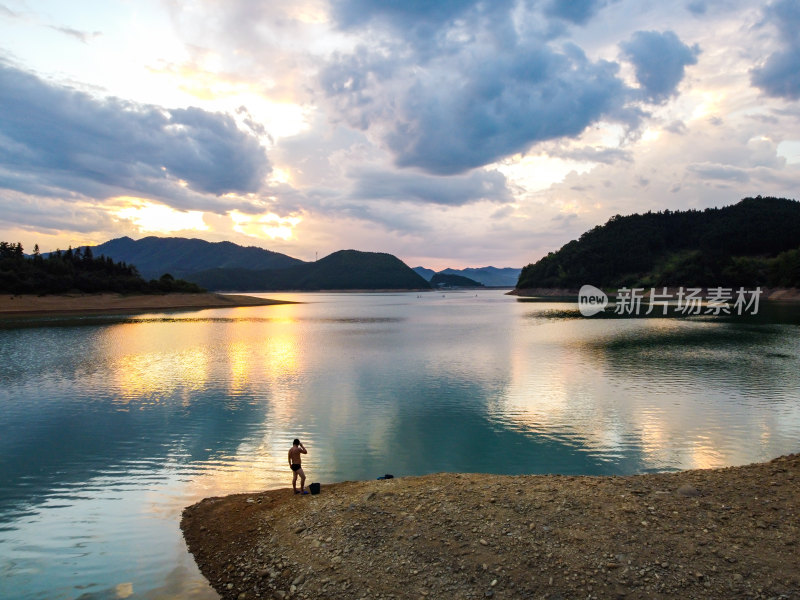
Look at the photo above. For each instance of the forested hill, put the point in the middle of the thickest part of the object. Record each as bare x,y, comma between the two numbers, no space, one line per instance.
76,270
342,270
753,242
455,281
181,256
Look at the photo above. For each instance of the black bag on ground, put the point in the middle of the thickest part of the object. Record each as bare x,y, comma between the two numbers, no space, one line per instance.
314,488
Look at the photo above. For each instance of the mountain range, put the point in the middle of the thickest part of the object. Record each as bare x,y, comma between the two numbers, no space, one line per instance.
228,266
488,276
342,270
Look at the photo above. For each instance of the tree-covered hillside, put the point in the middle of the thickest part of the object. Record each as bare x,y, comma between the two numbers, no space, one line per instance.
76,271
343,270
754,242
181,256
451,280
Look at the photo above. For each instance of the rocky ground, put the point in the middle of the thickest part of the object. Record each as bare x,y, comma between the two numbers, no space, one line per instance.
725,533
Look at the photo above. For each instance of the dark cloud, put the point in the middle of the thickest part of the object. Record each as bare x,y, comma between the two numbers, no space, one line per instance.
473,107
500,105
427,29
779,76
574,11
677,127
660,60
697,7
785,15
50,215
413,187
489,79
353,13
59,137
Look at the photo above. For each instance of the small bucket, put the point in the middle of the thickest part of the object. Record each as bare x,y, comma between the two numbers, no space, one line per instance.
314,488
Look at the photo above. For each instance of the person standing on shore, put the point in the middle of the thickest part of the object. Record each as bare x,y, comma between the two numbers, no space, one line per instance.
295,464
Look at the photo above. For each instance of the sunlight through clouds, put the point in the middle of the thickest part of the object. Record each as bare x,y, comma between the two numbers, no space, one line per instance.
270,225
157,218
391,127
539,172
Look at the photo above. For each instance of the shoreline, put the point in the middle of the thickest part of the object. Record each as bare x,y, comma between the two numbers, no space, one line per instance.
108,303
714,533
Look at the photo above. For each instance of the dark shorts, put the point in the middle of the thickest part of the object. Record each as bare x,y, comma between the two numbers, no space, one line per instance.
295,466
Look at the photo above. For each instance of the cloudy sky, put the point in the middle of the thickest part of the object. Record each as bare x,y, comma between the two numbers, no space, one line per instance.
452,134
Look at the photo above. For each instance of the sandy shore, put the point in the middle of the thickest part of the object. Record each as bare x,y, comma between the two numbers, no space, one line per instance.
31,305
724,533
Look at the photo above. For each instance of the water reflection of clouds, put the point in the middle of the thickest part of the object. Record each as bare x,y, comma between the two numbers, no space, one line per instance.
155,360
434,389
679,392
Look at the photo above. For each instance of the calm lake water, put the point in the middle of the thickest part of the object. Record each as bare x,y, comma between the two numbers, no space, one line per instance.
109,426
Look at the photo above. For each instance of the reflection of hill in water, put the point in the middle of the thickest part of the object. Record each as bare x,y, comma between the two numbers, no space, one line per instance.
760,361
778,313
449,422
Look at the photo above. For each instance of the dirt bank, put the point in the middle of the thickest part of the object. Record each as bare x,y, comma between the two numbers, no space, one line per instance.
726,533
25,305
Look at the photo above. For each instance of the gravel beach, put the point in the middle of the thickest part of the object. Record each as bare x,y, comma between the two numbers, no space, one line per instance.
717,533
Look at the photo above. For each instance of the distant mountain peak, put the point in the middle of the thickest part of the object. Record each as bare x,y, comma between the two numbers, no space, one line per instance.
488,276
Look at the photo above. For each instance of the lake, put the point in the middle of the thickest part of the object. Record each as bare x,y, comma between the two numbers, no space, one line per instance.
110,425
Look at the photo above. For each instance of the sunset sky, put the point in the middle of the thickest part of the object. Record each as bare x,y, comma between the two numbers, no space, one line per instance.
451,134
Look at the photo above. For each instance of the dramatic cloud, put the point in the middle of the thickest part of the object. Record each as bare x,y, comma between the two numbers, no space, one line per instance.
660,60
449,133
780,75
67,139
474,106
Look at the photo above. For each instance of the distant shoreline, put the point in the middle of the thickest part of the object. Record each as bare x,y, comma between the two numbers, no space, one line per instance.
29,305
770,294
344,291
